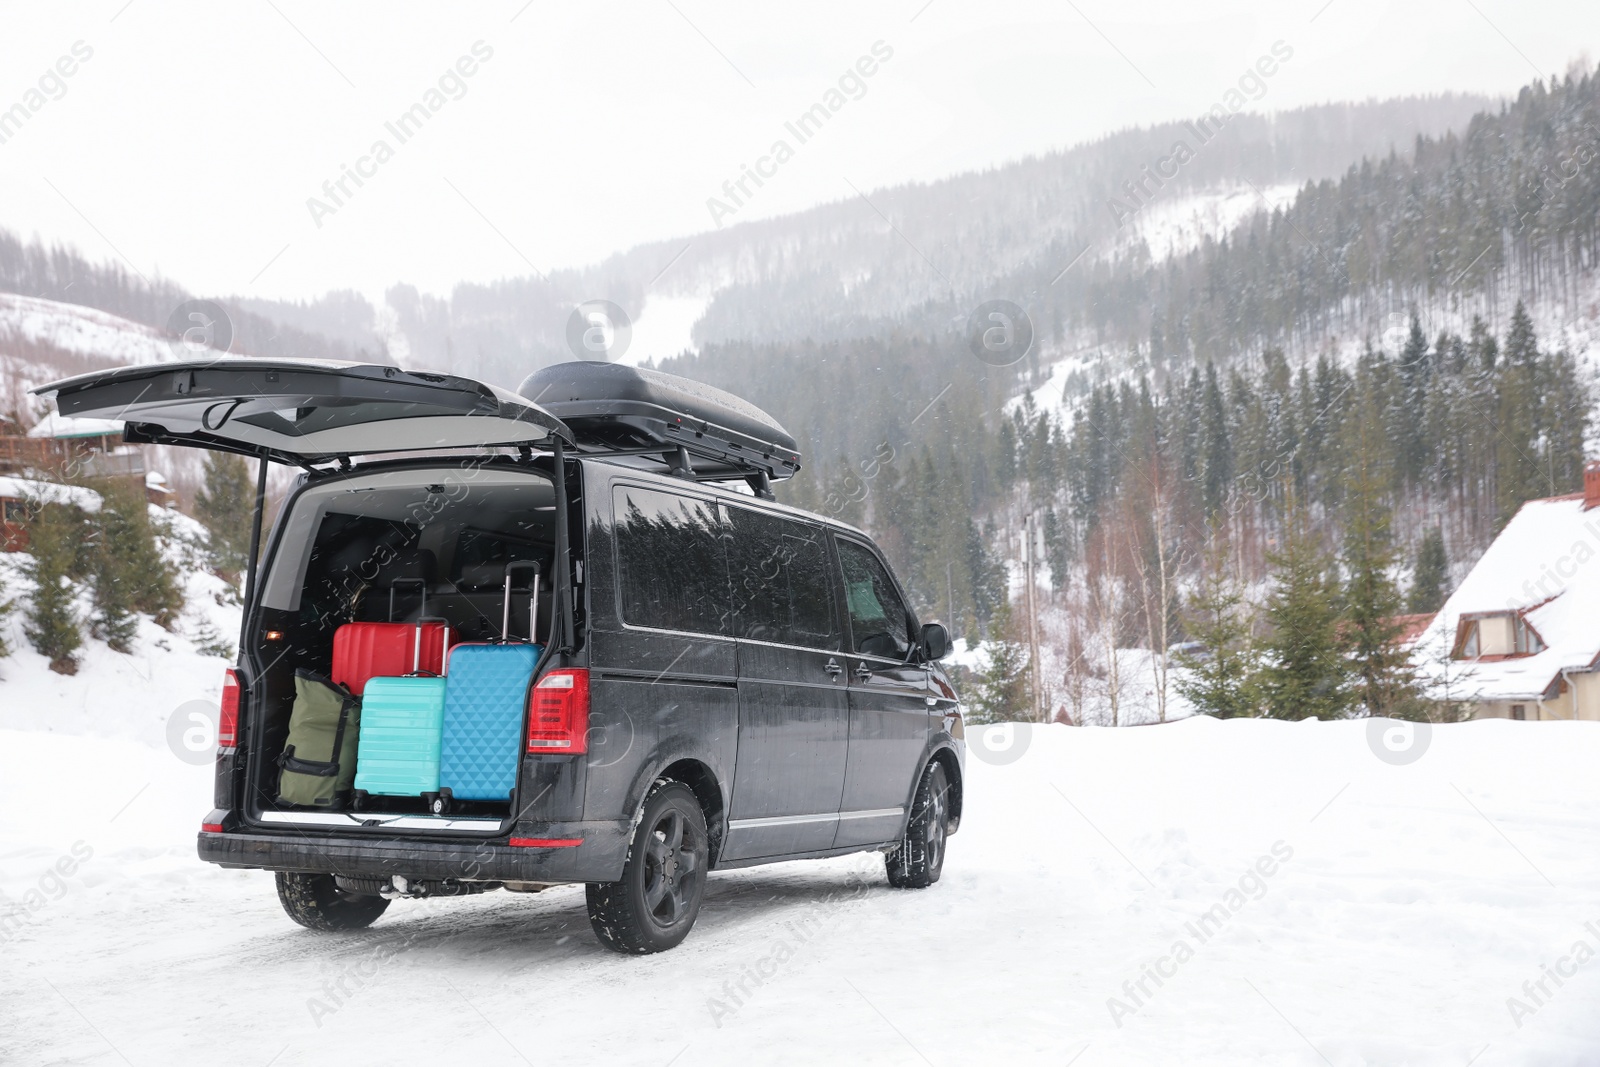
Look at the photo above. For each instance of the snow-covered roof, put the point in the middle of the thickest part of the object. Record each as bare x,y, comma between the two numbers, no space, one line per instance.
49,492
1544,566
62,426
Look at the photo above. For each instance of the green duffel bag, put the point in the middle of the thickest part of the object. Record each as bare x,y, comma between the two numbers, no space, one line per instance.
319,760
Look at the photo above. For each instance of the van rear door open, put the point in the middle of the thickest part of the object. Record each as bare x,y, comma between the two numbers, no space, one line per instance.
303,411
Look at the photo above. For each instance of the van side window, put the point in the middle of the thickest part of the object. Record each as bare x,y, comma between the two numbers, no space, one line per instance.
878,619
782,581
671,568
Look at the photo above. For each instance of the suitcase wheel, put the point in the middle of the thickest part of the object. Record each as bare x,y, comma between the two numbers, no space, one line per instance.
439,802
358,802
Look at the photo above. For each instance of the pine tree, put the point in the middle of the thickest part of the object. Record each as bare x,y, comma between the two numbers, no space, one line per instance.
1305,674
1519,476
1003,692
986,573
1216,449
1386,683
7,607
1219,681
1057,549
112,578
209,641
1430,575
1006,454
226,507
128,570
50,623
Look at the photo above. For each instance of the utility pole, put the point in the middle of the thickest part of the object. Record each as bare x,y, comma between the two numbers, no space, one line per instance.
1033,622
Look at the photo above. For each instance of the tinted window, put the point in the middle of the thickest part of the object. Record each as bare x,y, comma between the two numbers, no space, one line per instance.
782,581
878,621
670,565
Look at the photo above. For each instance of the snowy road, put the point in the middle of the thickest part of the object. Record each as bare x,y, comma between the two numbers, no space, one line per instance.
1248,892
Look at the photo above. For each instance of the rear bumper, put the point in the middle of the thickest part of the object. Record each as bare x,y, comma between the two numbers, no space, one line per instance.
599,858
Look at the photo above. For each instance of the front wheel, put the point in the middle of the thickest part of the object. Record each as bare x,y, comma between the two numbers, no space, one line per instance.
315,902
916,862
655,904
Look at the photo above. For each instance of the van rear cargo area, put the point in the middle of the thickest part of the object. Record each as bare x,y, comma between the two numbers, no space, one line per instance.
396,569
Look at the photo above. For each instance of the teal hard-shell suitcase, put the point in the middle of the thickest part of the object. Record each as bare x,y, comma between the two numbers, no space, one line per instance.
401,733
485,703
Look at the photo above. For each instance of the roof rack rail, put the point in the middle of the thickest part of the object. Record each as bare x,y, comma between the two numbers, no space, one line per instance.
694,430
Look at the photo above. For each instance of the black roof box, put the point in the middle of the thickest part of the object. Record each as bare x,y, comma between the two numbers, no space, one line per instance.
634,411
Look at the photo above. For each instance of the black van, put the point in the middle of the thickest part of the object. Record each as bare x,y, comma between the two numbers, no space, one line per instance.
742,682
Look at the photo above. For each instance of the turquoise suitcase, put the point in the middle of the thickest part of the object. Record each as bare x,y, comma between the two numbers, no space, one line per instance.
483,714
400,730
484,706
401,725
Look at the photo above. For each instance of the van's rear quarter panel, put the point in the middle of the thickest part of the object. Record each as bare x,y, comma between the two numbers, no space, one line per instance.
655,697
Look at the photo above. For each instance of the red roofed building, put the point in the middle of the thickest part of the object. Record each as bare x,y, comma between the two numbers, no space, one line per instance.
1520,637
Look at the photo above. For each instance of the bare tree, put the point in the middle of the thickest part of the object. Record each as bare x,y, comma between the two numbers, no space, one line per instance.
1156,558
1106,606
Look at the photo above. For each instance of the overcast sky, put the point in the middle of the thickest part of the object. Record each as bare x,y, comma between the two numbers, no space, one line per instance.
191,139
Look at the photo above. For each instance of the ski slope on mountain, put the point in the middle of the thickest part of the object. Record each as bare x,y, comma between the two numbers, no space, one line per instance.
1336,908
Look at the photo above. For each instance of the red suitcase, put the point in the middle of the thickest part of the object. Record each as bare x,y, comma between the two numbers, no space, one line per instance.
363,650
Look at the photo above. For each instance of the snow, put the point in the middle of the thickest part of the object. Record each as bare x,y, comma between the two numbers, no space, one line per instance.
82,330
128,696
1565,317
665,328
1172,226
58,425
1413,902
48,493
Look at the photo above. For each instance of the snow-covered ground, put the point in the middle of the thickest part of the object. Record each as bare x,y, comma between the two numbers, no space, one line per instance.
1361,912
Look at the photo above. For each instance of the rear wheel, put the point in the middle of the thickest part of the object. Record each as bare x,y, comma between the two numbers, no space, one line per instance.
655,904
315,902
916,862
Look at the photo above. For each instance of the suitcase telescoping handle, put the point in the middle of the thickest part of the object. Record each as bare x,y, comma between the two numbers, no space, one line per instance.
416,642
422,587
422,617
533,601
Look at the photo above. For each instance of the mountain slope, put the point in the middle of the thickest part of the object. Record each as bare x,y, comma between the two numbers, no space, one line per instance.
913,255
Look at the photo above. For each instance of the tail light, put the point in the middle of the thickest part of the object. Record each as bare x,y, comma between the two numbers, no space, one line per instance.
228,717
558,713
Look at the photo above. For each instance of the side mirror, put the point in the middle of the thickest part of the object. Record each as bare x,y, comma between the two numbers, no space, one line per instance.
935,641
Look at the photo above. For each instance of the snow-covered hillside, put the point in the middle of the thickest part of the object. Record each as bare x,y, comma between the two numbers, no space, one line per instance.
1240,892
1568,319
80,330
115,695
1174,224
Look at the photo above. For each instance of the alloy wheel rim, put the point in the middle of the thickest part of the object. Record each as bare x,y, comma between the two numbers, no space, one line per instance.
671,869
934,840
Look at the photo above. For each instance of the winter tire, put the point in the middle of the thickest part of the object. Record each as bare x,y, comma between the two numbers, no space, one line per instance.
654,906
315,902
918,859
